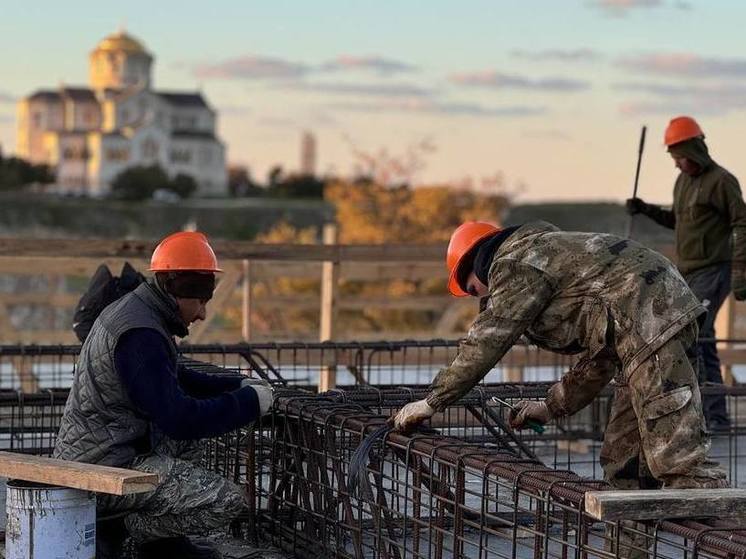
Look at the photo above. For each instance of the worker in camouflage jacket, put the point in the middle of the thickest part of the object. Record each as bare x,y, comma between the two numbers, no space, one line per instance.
709,220
623,308
132,405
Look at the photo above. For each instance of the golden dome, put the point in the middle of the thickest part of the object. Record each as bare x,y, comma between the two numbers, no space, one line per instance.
121,41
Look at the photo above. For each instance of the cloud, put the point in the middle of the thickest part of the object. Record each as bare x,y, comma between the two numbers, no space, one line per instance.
561,55
313,118
497,80
446,109
641,108
256,67
620,8
252,68
367,89
685,65
377,64
670,98
682,5
6,97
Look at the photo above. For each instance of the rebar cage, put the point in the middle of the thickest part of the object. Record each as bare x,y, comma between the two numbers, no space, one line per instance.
470,488
435,495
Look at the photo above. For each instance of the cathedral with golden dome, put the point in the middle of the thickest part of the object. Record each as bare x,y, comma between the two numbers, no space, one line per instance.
91,134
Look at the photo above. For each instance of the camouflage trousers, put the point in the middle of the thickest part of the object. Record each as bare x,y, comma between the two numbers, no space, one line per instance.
656,434
189,500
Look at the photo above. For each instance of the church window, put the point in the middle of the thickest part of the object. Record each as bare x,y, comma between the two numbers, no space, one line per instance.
150,149
89,117
181,156
205,156
117,154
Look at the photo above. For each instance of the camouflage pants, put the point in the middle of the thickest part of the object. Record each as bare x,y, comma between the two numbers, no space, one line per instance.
189,500
656,436
656,432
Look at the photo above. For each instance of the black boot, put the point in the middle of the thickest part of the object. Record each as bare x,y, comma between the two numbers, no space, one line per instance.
110,536
180,548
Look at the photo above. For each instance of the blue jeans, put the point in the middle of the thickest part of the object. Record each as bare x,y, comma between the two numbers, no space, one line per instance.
711,285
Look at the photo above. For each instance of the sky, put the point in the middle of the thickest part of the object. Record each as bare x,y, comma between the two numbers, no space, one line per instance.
551,94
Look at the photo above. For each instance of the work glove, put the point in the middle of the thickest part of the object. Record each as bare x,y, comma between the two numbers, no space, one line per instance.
529,409
636,206
411,415
263,392
738,280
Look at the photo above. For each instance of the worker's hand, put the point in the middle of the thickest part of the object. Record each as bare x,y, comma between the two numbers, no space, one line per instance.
636,206
263,392
411,415
738,280
529,409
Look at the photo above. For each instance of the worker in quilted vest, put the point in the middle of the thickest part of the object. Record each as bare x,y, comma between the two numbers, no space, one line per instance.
622,308
132,405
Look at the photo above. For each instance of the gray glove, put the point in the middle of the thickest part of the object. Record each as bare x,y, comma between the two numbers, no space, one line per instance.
263,392
412,415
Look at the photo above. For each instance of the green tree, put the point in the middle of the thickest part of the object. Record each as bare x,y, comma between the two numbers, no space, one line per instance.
297,186
183,185
139,183
16,173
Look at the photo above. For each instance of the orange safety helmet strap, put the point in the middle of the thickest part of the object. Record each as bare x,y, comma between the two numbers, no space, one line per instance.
463,240
680,129
185,251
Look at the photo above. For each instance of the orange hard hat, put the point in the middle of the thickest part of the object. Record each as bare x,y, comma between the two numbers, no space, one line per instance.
464,238
680,129
185,251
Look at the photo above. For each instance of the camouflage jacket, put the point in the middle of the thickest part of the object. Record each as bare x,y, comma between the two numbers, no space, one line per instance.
570,293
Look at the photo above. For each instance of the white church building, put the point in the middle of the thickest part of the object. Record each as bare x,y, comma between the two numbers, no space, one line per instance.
90,134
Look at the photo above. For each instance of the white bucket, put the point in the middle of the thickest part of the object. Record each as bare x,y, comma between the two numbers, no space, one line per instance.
46,522
2,502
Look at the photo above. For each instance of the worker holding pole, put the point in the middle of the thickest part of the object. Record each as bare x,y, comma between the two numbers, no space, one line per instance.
132,405
623,308
709,220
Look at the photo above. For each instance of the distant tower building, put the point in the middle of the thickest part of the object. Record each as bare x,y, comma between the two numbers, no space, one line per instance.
308,154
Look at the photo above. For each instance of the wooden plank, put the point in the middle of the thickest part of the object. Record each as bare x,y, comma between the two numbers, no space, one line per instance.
62,300
329,300
261,270
89,477
24,370
246,279
226,250
665,503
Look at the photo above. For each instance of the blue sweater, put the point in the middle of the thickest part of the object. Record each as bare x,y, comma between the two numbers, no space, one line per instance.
185,404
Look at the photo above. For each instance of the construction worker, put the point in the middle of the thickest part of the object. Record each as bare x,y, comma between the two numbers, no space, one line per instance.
622,307
132,405
709,218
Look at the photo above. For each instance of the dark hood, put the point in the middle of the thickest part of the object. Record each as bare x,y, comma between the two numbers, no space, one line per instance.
694,150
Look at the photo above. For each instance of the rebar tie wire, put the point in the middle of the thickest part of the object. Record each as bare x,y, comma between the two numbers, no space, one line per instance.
361,458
